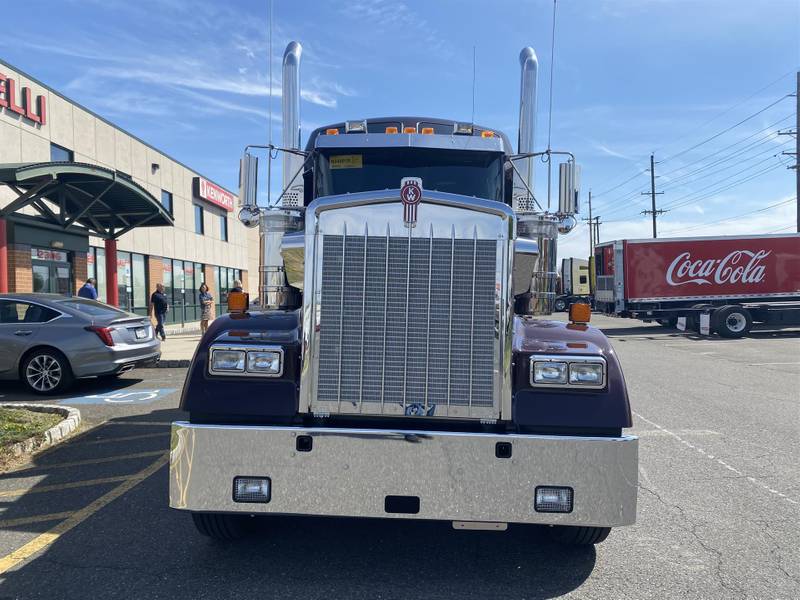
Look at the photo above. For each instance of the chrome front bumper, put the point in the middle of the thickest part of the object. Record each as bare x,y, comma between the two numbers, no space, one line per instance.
349,472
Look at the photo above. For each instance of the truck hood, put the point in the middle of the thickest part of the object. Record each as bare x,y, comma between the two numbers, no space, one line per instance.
540,336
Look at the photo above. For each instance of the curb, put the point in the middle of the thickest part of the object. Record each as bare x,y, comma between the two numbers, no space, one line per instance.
72,418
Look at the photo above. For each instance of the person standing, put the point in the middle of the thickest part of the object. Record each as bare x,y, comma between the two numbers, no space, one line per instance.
206,305
159,306
88,290
237,286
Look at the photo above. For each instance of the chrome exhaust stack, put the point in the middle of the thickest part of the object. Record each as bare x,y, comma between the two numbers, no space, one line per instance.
541,228
290,112
529,68
274,289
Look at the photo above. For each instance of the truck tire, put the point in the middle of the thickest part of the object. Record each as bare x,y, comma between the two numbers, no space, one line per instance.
221,526
732,321
560,305
579,536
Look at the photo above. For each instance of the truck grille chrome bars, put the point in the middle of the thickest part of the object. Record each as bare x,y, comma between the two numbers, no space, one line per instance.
408,321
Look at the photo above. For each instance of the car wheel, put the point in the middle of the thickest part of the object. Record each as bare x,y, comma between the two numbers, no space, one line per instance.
221,526
46,371
561,305
732,321
579,536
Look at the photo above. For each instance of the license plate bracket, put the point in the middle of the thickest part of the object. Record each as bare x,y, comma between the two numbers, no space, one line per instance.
140,333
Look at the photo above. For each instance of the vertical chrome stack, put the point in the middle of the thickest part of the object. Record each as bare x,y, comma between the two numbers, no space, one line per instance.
540,227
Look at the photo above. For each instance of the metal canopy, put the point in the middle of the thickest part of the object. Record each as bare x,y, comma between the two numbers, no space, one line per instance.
80,197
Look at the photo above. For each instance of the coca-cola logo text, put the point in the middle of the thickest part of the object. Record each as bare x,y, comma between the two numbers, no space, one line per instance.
740,266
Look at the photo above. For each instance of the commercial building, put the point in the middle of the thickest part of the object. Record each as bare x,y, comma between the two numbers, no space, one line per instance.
80,197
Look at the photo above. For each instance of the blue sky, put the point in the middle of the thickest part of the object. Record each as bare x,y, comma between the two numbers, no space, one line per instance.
631,77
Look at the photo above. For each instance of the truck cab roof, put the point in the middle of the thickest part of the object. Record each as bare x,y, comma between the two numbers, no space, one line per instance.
441,128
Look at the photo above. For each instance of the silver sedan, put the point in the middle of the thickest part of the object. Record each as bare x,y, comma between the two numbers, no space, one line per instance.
48,340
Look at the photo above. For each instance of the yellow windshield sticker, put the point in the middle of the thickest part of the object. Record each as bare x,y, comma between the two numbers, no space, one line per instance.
346,161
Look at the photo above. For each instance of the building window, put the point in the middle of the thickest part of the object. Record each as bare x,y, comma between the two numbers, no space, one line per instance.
223,228
198,219
60,154
166,200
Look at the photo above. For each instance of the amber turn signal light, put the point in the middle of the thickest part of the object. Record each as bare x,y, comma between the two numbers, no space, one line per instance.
238,302
333,131
580,313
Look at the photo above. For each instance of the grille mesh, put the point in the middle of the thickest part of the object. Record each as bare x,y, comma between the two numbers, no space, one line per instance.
408,325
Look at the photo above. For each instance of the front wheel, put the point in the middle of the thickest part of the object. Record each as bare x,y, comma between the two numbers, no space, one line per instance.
579,536
221,526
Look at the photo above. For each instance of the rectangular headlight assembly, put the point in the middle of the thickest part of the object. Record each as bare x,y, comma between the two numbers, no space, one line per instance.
564,371
245,361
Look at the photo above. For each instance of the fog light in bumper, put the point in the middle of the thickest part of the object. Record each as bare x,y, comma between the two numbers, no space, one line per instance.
252,489
551,499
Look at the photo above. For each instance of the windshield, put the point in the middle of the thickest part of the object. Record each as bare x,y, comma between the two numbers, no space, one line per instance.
92,308
465,172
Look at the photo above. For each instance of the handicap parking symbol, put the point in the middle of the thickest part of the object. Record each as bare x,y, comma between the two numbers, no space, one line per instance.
121,397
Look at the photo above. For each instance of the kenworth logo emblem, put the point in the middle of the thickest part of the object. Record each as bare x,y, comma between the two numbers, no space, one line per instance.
411,196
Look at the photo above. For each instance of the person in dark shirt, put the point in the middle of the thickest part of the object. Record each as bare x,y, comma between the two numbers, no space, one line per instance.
207,305
237,286
88,290
159,306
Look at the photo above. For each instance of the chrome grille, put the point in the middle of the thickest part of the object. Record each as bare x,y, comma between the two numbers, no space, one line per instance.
408,321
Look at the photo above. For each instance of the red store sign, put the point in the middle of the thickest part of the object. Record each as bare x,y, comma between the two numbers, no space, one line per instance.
210,192
9,100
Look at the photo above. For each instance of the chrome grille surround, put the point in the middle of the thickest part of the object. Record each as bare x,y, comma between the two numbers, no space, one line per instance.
397,337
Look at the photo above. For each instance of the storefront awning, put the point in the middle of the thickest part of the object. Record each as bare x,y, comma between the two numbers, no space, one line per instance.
82,197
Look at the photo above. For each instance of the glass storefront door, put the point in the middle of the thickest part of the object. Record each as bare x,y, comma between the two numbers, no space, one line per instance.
52,271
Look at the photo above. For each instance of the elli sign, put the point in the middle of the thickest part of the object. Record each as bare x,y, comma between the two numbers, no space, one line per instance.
210,192
22,106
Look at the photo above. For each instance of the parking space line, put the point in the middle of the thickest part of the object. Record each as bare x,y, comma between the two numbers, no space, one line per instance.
91,461
772,363
125,438
164,423
45,539
35,519
721,462
63,486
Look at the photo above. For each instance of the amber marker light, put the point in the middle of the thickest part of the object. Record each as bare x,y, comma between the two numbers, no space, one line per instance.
409,130
580,313
485,134
238,302
392,130
427,130
333,131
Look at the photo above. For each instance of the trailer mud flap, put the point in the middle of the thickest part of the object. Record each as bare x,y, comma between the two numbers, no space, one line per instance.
705,324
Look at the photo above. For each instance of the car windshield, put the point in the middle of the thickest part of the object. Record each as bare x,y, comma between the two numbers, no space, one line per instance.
466,172
92,308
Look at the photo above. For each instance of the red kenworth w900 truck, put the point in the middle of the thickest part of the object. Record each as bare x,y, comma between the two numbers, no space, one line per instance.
709,284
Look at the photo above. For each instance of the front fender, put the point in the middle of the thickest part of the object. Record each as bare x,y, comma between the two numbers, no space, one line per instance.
585,409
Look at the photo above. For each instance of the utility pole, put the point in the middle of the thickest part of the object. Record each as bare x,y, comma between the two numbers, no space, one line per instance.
591,227
597,224
653,193
796,153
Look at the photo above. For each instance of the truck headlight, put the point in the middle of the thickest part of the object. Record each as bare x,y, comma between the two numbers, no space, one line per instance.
264,361
586,374
245,360
550,372
227,360
564,371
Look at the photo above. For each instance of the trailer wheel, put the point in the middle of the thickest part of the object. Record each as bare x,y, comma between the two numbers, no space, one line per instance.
732,321
560,305
579,536
221,526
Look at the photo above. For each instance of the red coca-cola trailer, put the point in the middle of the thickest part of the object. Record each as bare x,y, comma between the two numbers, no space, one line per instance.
711,284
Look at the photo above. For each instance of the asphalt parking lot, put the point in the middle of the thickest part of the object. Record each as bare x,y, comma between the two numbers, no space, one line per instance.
719,502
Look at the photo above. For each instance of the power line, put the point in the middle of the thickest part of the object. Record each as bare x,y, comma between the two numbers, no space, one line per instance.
733,218
730,108
727,129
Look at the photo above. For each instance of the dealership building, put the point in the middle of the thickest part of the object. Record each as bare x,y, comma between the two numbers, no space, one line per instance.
80,197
